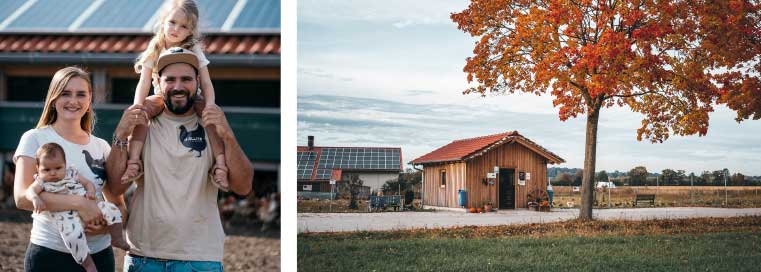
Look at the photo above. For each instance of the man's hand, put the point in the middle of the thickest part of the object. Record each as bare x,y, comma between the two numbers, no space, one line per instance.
39,205
213,116
90,195
133,116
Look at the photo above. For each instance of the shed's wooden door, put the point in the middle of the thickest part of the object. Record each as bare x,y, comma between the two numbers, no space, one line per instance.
506,188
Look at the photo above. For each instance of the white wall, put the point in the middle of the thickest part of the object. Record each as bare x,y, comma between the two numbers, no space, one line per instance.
374,180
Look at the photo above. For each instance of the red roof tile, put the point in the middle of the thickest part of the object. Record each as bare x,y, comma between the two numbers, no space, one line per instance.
469,148
264,44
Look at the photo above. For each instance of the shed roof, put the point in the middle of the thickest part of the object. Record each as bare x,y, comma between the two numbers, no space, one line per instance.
473,147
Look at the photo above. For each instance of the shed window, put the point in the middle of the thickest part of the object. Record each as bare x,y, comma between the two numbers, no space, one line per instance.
443,178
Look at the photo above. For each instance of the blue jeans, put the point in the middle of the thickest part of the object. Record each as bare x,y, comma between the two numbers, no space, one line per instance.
143,264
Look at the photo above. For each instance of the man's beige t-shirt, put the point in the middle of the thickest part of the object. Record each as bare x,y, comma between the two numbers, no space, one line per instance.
174,212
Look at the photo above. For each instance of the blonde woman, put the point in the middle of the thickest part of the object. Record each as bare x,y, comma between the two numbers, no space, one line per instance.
67,119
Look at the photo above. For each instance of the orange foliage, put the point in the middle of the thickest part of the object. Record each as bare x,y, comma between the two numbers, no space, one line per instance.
671,61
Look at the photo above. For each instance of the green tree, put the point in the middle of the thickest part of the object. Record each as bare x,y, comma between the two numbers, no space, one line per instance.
578,178
354,184
602,176
638,176
738,179
669,177
681,176
563,179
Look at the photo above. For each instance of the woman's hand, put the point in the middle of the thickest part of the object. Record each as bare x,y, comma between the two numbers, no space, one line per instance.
89,212
96,229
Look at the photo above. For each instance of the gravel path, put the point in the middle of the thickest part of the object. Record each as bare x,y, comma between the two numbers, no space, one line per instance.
324,222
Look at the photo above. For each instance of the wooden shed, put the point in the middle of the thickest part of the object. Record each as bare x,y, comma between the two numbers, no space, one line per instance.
502,168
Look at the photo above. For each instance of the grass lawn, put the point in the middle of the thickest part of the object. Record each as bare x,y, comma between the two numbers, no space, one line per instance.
658,245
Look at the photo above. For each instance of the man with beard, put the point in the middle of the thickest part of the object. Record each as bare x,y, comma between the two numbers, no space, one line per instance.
174,219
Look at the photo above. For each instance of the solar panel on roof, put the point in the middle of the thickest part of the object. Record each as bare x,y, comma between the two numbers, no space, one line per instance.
7,7
132,16
214,12
259,14
50,14
305,164
357,158
324,173
114,14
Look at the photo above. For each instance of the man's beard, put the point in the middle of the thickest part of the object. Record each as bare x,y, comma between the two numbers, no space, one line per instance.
178,109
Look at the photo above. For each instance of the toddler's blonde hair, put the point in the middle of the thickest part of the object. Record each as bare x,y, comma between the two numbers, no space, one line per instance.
158,42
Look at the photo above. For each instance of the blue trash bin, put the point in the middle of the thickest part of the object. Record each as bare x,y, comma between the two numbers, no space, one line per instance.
462,198
550,192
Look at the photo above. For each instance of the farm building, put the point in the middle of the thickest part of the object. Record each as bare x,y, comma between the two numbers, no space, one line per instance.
502,168
318,165
241,39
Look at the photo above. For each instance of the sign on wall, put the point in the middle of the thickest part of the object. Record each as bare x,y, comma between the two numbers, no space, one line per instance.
491,175
522,176
528,175
307,187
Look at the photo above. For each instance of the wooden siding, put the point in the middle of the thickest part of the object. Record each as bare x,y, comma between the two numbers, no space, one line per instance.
514,156
469,175
433,194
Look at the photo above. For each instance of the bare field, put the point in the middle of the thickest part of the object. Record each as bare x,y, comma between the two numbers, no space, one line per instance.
667,196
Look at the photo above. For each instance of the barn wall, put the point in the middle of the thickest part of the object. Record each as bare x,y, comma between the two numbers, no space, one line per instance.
433,193
511,155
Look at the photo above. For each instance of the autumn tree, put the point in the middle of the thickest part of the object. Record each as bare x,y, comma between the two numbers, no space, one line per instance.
671,61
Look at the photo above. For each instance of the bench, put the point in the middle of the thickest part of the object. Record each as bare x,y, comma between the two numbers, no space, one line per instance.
644,198
380,203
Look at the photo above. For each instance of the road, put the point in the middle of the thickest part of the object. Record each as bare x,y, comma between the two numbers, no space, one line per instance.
327,222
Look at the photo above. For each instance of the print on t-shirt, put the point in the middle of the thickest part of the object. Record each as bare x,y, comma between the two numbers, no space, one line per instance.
195,139
96,166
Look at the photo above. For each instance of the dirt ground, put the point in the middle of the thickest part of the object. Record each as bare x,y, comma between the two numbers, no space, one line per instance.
246,247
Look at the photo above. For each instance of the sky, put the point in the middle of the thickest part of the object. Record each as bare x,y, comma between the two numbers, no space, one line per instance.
389,74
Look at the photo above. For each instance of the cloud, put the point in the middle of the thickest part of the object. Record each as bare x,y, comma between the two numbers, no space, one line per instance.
421,128
397,13
320,73
418,92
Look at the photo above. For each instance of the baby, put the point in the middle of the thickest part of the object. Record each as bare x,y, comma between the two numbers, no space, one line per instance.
54,177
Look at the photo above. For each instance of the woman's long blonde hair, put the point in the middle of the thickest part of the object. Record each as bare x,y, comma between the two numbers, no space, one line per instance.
59,82
158,42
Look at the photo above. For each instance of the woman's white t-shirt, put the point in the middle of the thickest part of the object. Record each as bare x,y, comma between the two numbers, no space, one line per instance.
88,159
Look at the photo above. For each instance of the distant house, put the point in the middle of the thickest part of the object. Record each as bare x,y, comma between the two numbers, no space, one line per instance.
317,165
517,164
605,184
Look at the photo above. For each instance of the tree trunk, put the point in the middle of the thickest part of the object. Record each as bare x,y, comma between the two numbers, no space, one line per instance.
590,153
